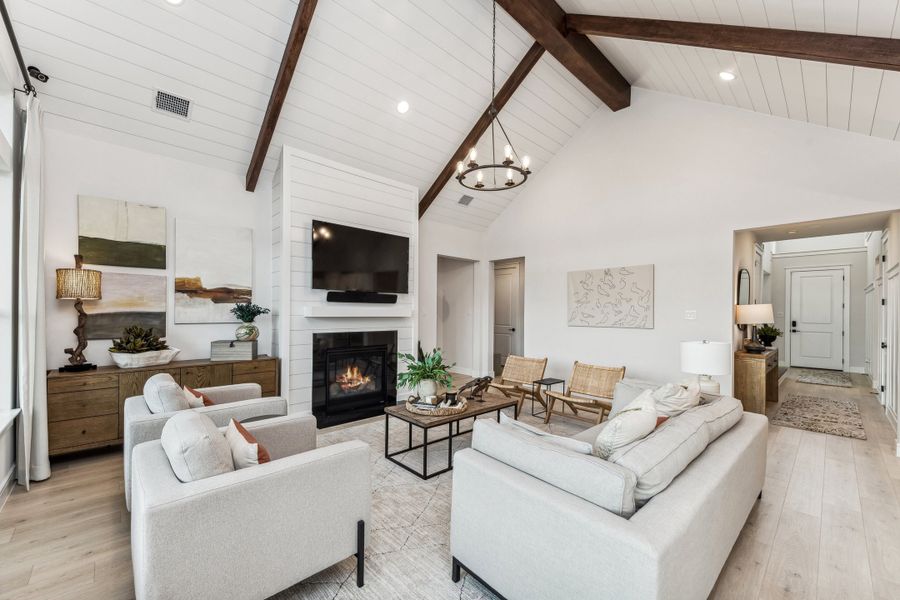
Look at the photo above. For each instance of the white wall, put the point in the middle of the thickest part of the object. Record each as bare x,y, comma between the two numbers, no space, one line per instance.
817,244
856,261
667,182
455,313
79,165
440,239
316,188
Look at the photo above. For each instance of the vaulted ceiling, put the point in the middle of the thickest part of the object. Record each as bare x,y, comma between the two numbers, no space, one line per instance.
857,99
107,59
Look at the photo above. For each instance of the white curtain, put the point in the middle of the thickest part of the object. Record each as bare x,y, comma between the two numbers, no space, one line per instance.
32,458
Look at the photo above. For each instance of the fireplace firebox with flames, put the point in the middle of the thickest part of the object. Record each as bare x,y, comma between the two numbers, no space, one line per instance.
354,375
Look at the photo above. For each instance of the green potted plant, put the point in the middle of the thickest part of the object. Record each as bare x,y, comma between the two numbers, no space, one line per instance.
768,334
426,374
139,347
247,313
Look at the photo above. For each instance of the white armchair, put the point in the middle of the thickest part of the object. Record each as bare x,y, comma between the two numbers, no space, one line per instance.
241,401
250,533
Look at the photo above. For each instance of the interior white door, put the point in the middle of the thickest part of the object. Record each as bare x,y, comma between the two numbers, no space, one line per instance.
507,331
817,319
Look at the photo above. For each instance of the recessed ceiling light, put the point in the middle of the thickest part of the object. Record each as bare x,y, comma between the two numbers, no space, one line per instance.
402,107
791,232
727,76
174,2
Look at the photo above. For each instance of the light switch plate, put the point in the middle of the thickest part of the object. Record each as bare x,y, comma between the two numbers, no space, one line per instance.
690,315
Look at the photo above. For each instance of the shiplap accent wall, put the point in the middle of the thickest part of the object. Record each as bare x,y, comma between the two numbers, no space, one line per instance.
309,187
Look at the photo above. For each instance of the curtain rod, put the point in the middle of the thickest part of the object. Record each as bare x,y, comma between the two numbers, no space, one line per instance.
29,89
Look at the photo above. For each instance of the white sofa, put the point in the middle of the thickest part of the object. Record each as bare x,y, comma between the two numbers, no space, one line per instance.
241,401
527,521
253,532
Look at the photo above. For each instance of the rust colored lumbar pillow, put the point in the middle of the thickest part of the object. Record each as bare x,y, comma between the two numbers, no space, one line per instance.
245,450
197,399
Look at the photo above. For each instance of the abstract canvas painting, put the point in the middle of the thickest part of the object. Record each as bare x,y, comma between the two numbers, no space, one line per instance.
614,297
128,299
121,234
213,271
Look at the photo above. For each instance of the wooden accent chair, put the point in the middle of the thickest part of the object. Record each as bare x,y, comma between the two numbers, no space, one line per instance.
590,390
518,376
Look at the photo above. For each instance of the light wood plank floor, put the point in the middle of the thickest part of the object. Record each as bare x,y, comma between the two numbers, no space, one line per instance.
827,527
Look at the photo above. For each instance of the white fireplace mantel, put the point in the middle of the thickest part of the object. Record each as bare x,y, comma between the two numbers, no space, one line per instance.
328,311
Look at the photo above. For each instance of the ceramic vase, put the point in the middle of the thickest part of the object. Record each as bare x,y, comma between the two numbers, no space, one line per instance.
246,332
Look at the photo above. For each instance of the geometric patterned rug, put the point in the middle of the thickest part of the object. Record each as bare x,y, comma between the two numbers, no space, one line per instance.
821,377
824,415
408,551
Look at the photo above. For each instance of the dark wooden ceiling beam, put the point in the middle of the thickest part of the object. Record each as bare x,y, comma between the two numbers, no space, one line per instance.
545,21
289,60
854,50
481,125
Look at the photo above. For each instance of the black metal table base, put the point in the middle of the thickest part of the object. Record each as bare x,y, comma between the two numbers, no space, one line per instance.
424,474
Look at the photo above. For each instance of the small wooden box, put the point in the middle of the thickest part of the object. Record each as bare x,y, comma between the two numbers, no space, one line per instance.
232,350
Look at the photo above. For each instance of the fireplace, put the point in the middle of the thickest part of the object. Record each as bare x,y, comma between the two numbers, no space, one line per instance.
354,375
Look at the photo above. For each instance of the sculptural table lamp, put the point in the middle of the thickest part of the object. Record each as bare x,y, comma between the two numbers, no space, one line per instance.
78,284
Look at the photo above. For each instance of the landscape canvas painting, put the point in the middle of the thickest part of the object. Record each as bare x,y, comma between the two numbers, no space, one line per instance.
128,299
213,271
121,234
613,297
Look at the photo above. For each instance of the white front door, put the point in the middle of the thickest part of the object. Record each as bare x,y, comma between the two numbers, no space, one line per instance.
817,319
507,331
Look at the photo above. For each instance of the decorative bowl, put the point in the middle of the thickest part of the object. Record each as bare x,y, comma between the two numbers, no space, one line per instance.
144,359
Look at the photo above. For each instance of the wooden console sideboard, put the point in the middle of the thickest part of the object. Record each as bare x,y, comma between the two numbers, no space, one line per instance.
86,410
756,379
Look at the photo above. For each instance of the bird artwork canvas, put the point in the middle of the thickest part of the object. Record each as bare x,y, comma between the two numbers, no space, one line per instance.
620,297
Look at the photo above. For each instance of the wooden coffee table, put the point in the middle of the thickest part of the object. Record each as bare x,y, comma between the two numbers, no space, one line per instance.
425,422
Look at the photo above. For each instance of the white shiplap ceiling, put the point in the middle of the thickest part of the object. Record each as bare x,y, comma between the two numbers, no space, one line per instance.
857,99
107,58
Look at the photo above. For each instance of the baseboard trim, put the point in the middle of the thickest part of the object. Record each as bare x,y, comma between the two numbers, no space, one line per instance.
6,488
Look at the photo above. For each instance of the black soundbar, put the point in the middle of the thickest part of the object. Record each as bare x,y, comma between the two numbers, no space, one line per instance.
367,297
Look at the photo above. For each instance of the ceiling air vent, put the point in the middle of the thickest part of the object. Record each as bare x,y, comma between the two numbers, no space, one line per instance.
172,104
466,200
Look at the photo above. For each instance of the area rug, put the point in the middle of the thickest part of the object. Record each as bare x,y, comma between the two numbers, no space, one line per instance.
824,415
408,551
819,377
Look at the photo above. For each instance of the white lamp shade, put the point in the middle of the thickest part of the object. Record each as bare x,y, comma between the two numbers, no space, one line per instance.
706,358
754,314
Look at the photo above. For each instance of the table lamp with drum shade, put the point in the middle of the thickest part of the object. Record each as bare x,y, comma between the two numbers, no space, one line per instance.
704,359
750,315
78,284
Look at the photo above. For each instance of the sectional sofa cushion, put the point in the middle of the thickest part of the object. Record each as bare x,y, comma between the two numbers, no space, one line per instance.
631,423
605,484
673,399
626,391
163,395
660,457
195,447
569,443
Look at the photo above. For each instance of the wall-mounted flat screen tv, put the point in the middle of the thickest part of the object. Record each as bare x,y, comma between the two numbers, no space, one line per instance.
359,260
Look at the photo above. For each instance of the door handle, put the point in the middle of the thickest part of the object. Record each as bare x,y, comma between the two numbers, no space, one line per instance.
512,328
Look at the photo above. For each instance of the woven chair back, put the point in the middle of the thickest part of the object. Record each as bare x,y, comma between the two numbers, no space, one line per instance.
595,380
519,369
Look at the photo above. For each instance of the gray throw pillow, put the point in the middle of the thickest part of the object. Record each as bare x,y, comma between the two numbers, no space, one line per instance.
195,447
163,395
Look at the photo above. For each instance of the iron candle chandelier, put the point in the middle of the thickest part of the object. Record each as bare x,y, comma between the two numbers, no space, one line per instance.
516,170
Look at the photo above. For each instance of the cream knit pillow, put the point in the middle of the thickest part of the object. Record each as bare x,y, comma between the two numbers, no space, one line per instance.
672,399
635,421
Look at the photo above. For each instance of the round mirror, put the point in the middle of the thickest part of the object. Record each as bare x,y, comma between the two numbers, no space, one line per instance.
743,287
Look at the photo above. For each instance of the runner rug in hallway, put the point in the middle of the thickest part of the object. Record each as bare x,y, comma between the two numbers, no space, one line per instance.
824,415
822,377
